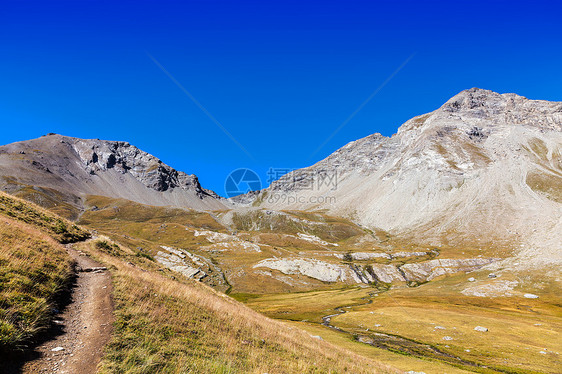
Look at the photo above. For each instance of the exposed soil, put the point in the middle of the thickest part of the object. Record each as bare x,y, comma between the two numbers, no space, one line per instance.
81,329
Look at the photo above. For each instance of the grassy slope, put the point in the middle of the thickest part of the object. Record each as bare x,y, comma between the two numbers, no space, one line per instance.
34,268
168,324
57,227
146,226
164,323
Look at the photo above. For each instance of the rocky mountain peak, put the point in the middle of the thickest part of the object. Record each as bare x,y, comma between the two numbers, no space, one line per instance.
471,99
102,155
483,162
502,109
82,167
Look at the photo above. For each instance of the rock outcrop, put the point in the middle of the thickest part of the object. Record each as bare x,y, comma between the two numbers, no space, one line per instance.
428,270
225,242
418,272
192,266
316,269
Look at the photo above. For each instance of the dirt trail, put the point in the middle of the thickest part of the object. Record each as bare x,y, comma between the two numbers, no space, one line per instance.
86,325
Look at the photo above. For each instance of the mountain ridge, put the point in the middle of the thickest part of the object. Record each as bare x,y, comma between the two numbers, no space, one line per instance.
76,167
484,166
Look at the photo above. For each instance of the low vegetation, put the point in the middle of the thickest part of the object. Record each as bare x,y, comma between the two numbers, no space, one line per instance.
431,328
144,225
34,269
59,228
547,184
164,323
326,228
168,324
305,306
51,199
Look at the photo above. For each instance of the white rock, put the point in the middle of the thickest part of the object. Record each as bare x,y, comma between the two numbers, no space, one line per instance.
176,263
57,349
360,256
428,270
480,328
471,279
312,268
493,289
530,296
409,254
447,338
314,239
387,273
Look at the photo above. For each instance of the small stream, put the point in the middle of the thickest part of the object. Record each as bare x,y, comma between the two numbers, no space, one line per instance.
402,345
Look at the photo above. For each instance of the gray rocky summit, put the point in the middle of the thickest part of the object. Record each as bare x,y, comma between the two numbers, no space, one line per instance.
485,165
76,168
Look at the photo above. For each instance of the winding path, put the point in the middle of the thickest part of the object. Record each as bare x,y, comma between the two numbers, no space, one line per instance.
86,324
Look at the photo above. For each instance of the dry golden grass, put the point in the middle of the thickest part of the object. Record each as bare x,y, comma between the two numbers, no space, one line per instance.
310,306
167,324
154,225
51,199
523,334
57,227
325,227
33,270
110,209
548,184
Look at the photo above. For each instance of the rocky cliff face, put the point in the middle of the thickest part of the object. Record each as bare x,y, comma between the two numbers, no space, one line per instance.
79,167
99,156
484,166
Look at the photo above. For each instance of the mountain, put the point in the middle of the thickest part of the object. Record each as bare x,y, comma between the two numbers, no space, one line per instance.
425,250
484,168
56,169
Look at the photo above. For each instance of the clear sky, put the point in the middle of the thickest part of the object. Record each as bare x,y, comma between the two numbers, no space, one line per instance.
279,76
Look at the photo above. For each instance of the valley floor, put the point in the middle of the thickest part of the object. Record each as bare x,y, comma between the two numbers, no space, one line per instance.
430,328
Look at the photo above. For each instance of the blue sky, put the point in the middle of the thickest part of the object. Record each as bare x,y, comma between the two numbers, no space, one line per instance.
280,76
